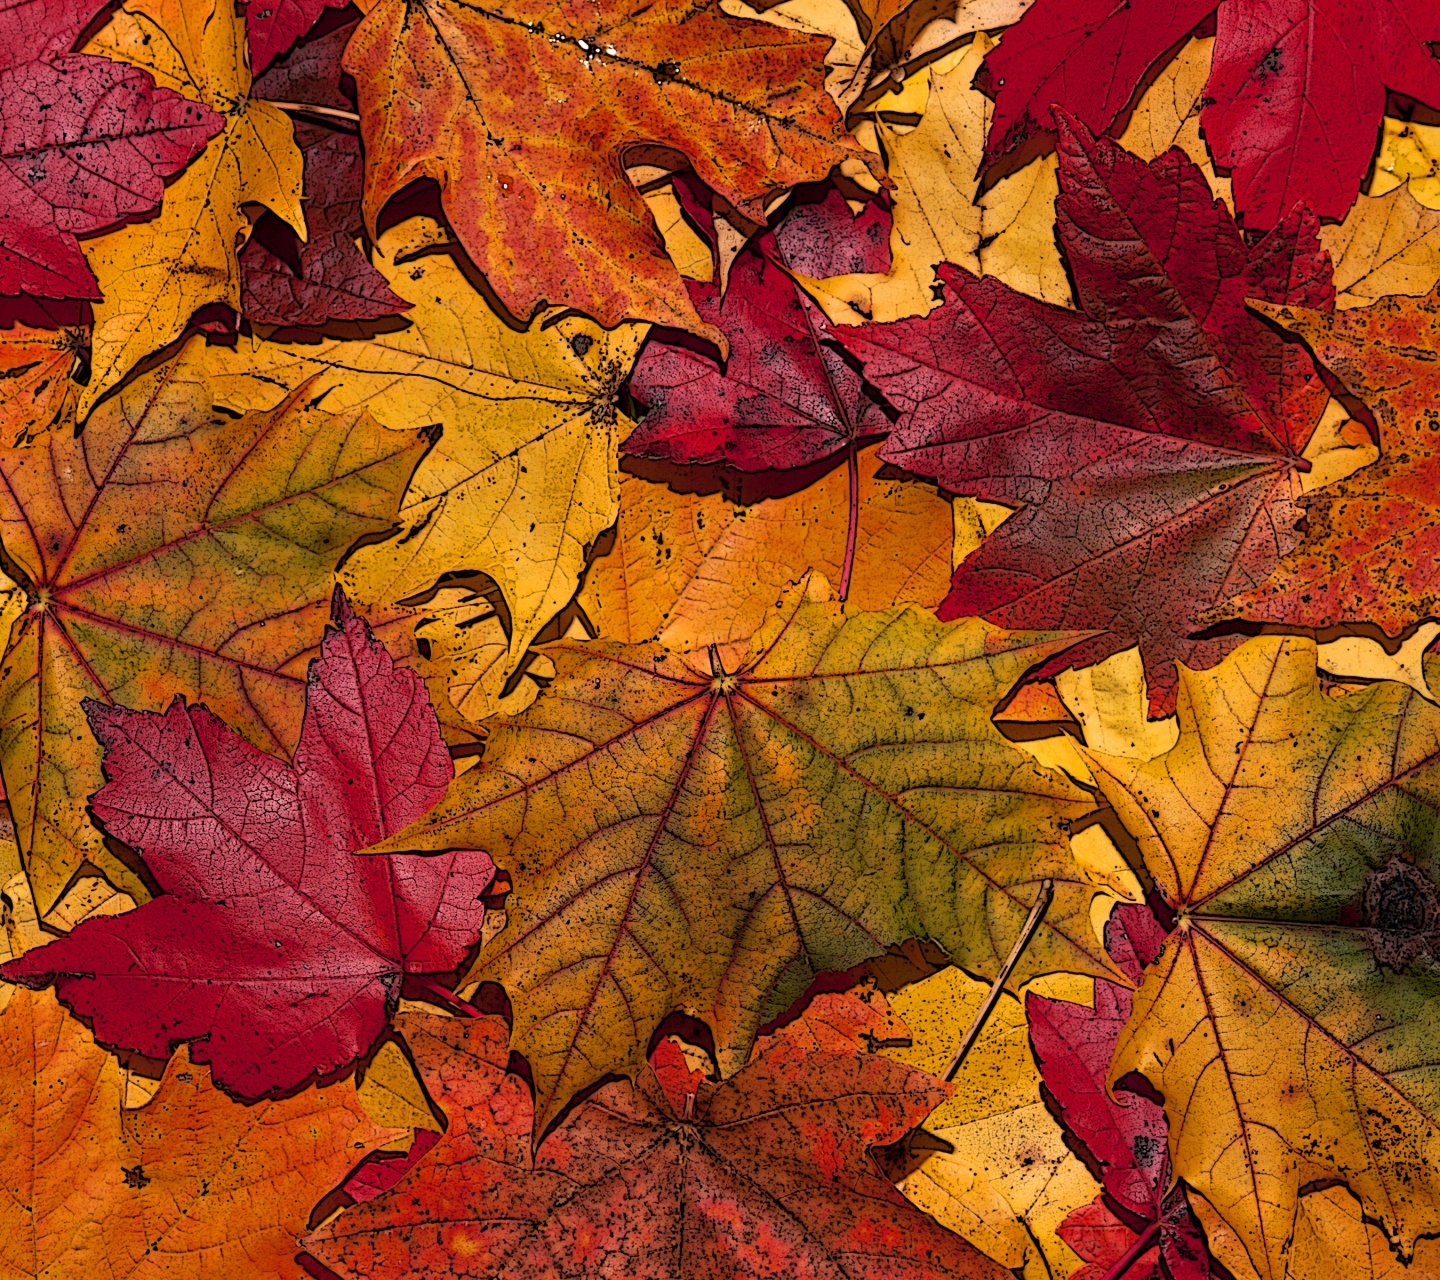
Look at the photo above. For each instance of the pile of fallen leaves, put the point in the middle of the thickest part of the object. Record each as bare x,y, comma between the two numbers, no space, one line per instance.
708,641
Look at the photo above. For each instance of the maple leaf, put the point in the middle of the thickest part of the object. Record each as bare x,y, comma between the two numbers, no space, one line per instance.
272,949
1289,1021
1266,121
155,275
171,549
523,478
88,143
1124,1132
190,1184
1165,386
787,397
526,114
766,1174
682,837
1370,546
272,26
330,278
693,569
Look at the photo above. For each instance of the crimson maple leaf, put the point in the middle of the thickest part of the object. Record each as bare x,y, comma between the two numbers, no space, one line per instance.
272,948
1296,91
1138,1218
788,396
1152,440
766,1175
272,26
87,143
327,277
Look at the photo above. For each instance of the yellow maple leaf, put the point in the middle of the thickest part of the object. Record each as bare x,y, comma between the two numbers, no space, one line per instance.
524,476
155,275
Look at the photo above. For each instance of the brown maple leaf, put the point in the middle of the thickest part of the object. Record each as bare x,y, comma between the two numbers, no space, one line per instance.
767,1174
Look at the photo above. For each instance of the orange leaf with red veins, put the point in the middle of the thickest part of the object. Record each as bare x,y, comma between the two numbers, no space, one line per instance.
524,113
191,1185
767,1174
1372,544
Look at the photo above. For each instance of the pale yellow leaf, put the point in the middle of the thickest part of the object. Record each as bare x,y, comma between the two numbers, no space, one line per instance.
1168,115
1409,154
1359,657
1009,1179
1387,245
1110,700
1008,233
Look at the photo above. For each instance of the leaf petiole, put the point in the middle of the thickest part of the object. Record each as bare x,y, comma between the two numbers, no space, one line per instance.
448,996
1133,1253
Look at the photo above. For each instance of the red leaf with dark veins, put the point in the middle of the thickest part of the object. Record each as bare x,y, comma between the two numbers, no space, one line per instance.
766,1175
820,238
84,144
32,30
327,277
272,948
335,280
272,26
786,398
1125,1133
1152,440
1294,100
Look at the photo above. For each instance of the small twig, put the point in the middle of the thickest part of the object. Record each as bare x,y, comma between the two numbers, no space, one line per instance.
1132,1254
853,527
448,996
309,108
982,1014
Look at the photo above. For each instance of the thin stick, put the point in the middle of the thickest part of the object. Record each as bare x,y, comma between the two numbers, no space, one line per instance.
853,466
1132,1254
309,108
449,997
982,1014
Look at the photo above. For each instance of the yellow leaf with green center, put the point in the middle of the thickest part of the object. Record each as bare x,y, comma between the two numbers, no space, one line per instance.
681,839
524,476
155,275
1290,1022
171,549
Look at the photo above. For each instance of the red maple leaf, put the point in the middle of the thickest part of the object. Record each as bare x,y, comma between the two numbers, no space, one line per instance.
272,948
1296,91
766,1175
1151,440
788,396
1138,1218
327,277
86,143
272,26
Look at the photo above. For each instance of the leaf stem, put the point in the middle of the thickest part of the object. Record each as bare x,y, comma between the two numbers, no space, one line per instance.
450,998
982,1014
852,463
1132,1254
309,108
